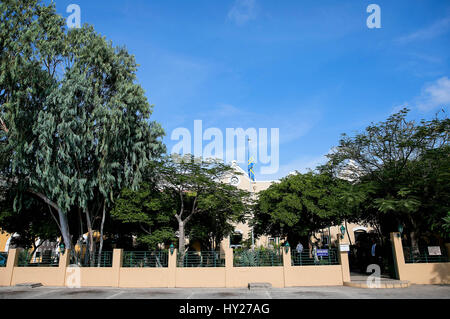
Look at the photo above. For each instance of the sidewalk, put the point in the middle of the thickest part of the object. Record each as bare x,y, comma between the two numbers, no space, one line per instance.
358,280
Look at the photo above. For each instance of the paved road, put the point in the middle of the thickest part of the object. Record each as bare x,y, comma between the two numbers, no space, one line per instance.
334,292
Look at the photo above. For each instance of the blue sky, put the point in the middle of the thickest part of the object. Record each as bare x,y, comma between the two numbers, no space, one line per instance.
313,69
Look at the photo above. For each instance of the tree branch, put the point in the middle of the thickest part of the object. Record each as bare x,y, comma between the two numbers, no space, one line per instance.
145,230
44,198
54,218
3,126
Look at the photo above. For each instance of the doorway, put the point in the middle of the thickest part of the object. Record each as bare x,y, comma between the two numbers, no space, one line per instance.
370,254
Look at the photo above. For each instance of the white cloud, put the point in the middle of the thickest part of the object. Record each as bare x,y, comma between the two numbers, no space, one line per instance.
242,11
436,29
435,94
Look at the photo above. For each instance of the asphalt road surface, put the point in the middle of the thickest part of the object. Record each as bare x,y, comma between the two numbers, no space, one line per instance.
332,292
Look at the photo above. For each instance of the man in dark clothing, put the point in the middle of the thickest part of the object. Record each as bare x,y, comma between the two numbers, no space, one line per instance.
375,253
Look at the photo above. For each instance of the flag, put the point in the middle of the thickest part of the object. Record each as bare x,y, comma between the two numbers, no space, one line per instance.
251,174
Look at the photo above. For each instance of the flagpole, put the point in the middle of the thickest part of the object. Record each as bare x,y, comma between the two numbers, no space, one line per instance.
251,186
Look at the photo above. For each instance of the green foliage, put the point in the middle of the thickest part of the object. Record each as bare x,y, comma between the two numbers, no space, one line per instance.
177,190
149,211
78,123
206,204
218,211
257,257
401,173
299,205
33,221
446,224
94,134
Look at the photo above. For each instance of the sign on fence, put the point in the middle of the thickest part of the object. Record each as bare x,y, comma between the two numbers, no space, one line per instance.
322,252
434,251
344,247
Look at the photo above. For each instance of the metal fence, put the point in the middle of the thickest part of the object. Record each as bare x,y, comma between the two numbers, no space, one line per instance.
257,258
3,259
306,259
422,255
145,259
83,259
201,259
38,259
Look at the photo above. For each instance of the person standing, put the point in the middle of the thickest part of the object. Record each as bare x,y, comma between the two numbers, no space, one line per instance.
374,252
299,247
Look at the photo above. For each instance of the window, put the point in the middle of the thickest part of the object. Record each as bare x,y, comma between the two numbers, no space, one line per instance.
236,240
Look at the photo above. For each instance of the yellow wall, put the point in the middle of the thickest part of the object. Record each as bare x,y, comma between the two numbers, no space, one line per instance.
228,276
420,273
4,236
172,276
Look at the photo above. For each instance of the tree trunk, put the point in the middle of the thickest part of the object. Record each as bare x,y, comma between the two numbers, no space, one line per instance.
182,224
79,256
377,228
35,247
54,218
91,238
3,126
64,225
81,223
65,229
310,245
101,236
348,234
414,244
181,238
414,238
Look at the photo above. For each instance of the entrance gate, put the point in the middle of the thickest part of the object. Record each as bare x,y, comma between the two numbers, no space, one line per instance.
361,255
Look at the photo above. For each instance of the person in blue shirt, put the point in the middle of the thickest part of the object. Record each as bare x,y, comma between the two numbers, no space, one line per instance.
299,248
374,252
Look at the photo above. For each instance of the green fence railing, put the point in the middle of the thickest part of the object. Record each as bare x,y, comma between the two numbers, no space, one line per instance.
84,260
257,258
201,259
38,259
3,259
145,259
421,255
306,259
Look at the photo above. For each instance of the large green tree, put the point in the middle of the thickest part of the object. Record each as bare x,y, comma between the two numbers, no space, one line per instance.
149,211
77,123
199,187
299,206
219,211
400,171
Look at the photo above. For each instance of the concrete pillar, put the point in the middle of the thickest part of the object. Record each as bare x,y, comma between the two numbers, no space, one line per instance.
11,263
229,255
64,262
447,246
397,251
116,265
224,244
286,264
172,266
343,261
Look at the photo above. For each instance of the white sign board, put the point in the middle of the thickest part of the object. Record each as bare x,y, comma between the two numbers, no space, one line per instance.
434,250
344,247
